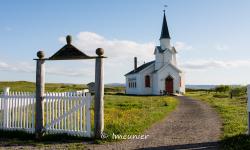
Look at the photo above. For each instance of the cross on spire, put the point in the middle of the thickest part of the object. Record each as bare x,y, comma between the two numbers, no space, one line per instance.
164,10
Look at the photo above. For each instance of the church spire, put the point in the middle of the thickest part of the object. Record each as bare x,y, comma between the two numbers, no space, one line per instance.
164,30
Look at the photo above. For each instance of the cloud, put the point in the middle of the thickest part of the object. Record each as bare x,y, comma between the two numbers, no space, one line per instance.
69,72
120,55
25,67
221,47
115,49
208,64
20,67
182,46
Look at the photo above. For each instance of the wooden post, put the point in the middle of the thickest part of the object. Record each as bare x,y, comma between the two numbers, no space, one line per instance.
40,85
248,108
99,94
6,107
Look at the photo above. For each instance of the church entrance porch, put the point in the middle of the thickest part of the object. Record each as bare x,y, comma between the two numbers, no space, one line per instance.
169,85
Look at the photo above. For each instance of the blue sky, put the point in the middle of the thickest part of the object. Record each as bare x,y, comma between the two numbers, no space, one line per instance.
211,37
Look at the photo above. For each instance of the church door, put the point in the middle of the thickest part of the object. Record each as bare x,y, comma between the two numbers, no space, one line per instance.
169,85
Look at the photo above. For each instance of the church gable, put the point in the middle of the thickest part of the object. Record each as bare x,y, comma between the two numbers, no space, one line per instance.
171,66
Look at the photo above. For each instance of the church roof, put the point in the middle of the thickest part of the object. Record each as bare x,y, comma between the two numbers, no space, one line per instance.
140,68
164,30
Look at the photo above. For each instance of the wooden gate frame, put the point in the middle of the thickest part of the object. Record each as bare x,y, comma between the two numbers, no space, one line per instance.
69,52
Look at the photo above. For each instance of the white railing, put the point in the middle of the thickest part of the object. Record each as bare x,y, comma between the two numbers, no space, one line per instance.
67,112
17,111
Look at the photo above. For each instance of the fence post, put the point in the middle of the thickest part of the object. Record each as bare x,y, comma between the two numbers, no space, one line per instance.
6,107
88,113
248,107
40,85
99,93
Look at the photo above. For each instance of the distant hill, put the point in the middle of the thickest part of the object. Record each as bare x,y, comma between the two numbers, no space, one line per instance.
30,86
187,86
115,84
205,87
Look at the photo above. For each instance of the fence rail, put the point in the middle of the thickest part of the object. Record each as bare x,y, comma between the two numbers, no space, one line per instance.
67,112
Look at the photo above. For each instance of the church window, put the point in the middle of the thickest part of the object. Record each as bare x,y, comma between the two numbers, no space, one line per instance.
147,81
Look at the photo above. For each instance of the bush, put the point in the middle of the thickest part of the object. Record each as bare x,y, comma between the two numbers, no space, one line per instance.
238,91
222,88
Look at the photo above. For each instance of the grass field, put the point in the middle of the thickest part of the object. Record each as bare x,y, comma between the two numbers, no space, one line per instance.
54,87
50,87
134,114
123,115
234,116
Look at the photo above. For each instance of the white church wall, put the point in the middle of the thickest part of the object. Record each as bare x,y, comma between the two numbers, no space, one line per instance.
158,60
146,90
168,55
163,74
132,84
183,87
155,84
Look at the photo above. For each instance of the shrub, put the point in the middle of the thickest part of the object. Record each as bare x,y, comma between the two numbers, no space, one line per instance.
238,91
222,88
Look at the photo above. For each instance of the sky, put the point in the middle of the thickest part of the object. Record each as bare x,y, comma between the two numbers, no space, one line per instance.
211,37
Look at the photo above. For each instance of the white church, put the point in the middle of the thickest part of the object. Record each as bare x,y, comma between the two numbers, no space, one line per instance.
161,76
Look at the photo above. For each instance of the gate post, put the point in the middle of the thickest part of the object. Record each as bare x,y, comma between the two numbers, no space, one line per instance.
40,85
99,94
248,107
6,107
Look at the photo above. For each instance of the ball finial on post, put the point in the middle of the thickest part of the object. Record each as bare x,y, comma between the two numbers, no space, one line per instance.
99,51
40,54
68,39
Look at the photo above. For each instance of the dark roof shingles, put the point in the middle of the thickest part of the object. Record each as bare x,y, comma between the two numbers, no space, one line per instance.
140,68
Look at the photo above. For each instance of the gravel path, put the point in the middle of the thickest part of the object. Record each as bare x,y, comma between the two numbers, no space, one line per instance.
193,125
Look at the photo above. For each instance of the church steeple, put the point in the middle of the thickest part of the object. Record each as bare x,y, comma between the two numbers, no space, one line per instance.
164,30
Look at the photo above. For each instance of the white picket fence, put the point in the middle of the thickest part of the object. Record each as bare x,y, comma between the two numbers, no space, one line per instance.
17,111
68,113
63,112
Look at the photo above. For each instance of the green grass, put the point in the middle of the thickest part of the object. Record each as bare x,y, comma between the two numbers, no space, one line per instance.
134,114
234,116
49,87
55,87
